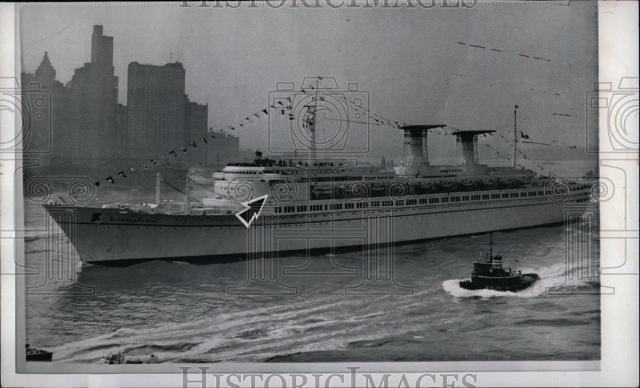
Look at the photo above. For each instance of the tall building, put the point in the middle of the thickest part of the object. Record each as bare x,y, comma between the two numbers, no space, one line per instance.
196,117
93,98
223,148
46,132
101,48
155,109
160,116
122,131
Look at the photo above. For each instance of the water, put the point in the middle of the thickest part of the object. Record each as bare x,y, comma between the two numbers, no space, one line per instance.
184,313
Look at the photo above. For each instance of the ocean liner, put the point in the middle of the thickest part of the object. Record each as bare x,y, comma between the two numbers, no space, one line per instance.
281,206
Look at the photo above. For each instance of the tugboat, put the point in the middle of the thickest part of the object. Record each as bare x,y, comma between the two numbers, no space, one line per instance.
34,354
112,359
489,274
119,358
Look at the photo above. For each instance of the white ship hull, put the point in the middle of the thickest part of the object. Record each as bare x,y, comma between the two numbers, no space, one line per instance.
113,236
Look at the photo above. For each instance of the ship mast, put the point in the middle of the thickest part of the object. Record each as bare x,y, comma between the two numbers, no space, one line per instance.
158,184
310,122
515,134
187,195
491,245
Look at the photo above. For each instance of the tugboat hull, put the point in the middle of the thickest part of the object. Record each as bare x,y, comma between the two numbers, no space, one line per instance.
39,355
511,283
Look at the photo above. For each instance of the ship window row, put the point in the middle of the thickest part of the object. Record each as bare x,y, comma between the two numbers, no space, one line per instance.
578,186
409,202
375,177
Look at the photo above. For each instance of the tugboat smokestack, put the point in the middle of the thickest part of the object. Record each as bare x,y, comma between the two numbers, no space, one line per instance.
158,185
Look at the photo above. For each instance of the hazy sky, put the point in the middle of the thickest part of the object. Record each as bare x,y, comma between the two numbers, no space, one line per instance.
408,60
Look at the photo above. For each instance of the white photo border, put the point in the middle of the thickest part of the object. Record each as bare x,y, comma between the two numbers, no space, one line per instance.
618,58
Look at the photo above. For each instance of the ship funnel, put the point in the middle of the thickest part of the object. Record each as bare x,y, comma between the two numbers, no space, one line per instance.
414,146
469,141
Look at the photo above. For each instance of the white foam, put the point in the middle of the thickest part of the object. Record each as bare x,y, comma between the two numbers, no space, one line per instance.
453,287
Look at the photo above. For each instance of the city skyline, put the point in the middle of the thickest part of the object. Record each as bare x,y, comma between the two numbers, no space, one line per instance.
86,125
452,84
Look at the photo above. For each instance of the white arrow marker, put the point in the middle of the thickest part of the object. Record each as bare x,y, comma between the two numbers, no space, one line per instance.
252,210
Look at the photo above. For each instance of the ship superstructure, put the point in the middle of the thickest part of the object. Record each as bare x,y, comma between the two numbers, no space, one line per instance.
317,202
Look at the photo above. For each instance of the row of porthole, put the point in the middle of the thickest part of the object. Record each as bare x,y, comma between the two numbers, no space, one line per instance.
302,209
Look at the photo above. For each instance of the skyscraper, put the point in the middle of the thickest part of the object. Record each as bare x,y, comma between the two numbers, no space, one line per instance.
93,98
101,48
223,148
160,116
46,131
156,109
196,117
